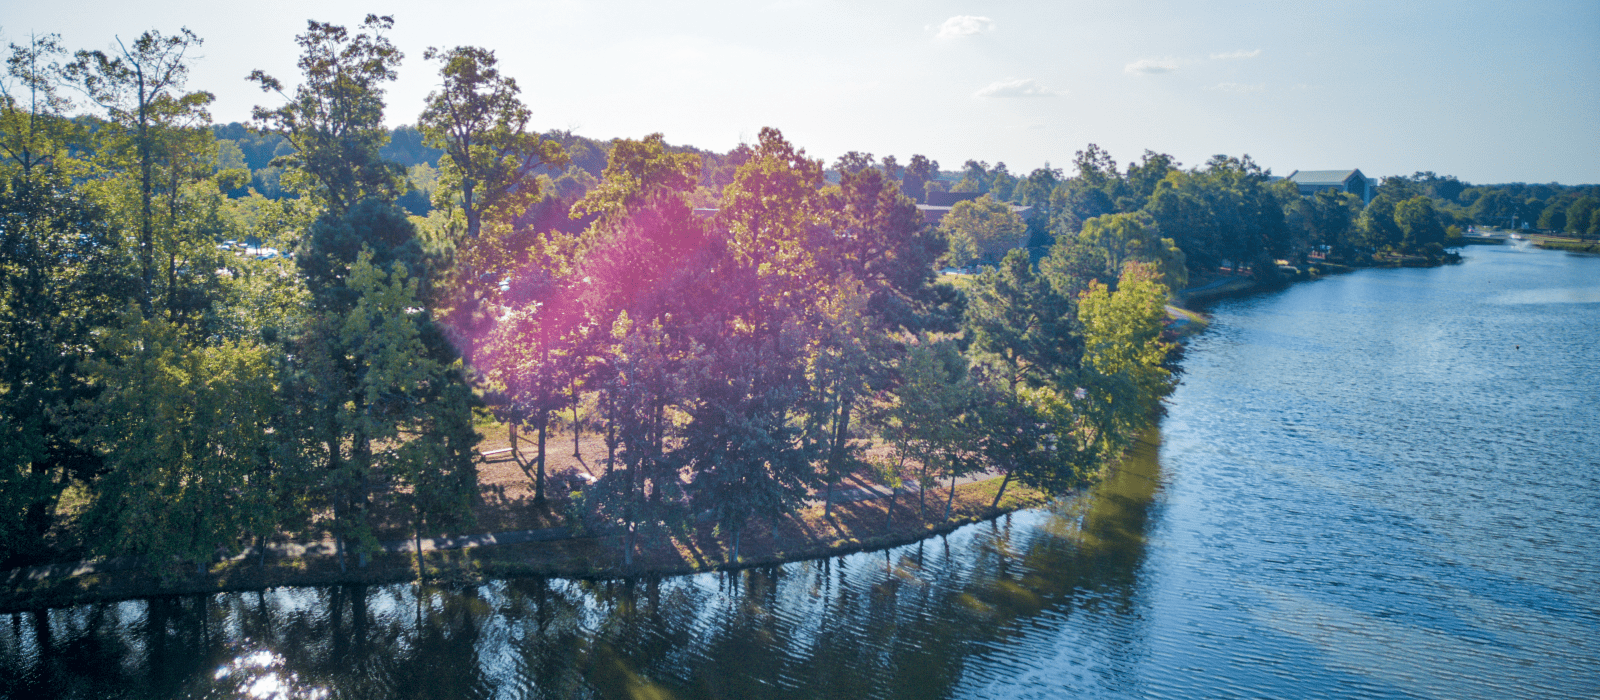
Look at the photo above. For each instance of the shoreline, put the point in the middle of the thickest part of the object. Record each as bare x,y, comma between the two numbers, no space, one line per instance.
856,526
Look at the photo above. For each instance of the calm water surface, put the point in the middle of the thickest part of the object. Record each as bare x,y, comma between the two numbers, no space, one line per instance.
1379,485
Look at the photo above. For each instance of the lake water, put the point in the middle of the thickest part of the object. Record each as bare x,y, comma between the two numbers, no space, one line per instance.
1377,485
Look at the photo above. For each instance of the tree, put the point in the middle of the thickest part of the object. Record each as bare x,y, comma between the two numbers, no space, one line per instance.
62,277
1419,226
1377,226
1224,213
334,120
1328,218
981,231
1124,359
142,91
1108,242
185,434
479,120
917,175
974,178
1580,212
855,162
371,385
1554,215
1020,327
1143,178
875,236
412,420
931,416
747,454
33,131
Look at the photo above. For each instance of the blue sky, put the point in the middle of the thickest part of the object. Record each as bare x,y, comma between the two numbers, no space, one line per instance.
1489,92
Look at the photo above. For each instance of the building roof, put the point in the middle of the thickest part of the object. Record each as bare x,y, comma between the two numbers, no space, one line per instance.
1321,177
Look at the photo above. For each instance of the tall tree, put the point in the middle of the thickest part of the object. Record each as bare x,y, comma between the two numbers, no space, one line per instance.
34,132
334,120
141,89
749,460
1020,327
918,173
1109,242
1124,359
478,119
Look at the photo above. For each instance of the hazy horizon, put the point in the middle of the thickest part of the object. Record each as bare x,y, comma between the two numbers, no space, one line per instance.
1485,92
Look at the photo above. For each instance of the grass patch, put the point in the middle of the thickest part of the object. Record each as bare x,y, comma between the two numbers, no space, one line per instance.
1569,245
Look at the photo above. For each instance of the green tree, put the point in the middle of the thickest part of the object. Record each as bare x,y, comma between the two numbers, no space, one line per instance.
1377,226
919,171
334,120
747,454
412,421
479,120
141,89
1579,213
1222,214
1108,242
982,231
185,434
34,133
932,417
1554,215
62,276
1125,368
875,236
371,382
1419,226
1020,328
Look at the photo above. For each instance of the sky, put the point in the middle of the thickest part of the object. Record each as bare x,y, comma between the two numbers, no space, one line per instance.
1489,92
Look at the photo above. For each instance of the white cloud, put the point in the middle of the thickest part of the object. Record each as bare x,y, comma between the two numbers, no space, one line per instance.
1238,87
1150,66
1236,54
964,25
1021,87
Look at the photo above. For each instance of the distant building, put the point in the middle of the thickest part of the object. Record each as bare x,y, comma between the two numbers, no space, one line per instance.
1311,182
940,203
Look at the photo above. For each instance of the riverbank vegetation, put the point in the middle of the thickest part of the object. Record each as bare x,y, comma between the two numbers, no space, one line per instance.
216,337
195,367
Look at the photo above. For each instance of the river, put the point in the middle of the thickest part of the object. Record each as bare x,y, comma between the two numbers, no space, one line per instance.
1384,484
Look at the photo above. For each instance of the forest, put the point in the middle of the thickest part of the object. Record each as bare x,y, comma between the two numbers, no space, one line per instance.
215,335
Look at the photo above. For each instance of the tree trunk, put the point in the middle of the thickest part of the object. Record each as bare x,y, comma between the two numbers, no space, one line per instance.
922,492
611,445
422,573
538,479
736,535
841,430
627,546
511,436
576,429
338,537
1001,492
952,498
894,495
147,248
